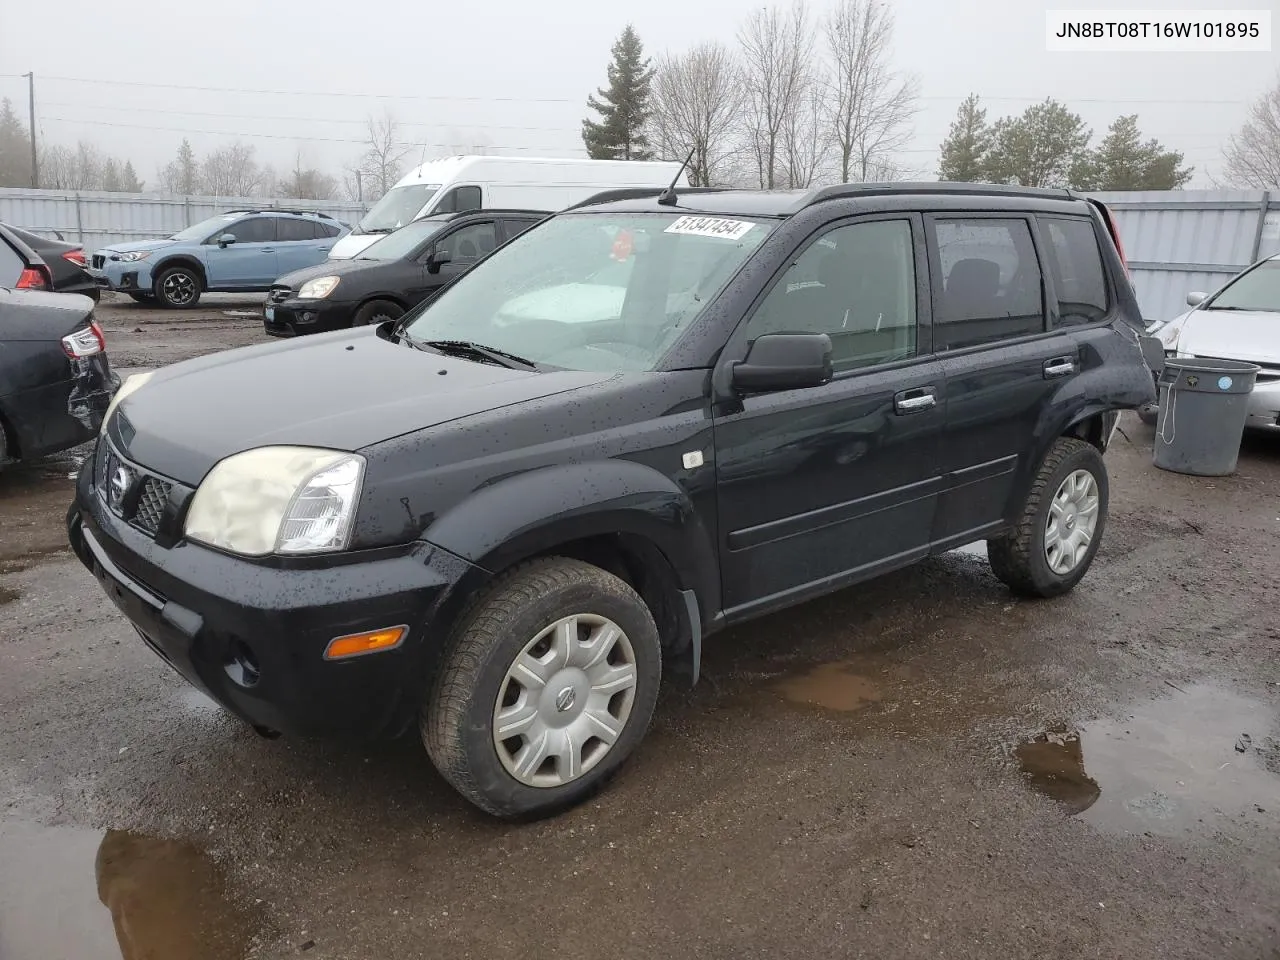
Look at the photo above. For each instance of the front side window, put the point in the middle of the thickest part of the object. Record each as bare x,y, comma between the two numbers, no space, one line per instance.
251,230
857,284
1259,289
206,229
403,242
469,243
991,287
605,292
1075,262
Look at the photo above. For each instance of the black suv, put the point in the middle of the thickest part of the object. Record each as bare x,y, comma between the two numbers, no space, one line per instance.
645,419
397,272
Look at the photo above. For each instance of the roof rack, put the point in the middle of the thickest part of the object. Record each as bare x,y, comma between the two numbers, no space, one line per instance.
637,193
295,210
930,186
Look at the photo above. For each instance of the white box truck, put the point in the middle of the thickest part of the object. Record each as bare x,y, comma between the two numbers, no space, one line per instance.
473,183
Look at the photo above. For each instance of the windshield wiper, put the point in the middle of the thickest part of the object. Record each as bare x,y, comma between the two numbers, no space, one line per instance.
376,229
467,348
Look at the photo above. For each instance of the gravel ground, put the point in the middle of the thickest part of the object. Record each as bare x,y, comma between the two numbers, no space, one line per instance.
922,766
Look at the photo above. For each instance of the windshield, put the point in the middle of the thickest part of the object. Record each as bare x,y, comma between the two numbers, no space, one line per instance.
395,246
1259,289
206,228
599,292
398,206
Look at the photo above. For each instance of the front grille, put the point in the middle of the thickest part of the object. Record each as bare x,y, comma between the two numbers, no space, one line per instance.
131,493
279,294
151,503
98,261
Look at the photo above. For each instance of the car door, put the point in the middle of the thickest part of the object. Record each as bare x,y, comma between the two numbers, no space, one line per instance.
299,243
514,226
248,262
457,251
1002,361
826,485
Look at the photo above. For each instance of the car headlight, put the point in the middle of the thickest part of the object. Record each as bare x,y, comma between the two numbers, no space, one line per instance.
130,384
287,500
134,255
317,289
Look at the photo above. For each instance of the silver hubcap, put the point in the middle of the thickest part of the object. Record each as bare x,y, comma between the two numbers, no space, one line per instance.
565,700
1073,517
179,288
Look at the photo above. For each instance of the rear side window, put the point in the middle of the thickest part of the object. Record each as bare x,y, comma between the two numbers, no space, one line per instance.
288,229
1075,263
991,288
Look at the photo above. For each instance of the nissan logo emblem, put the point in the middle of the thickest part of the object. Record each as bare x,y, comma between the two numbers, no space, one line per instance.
119,486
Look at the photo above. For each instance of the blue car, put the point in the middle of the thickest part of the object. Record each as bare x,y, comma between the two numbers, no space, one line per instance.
240,251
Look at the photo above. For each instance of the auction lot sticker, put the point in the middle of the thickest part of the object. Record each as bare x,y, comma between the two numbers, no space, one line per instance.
719,227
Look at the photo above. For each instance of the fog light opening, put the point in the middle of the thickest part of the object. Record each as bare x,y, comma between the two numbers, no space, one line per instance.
241,665
359,644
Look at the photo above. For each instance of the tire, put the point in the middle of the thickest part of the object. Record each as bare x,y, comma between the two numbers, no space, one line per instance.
142,297
478,677
377,311
1020,558
178,288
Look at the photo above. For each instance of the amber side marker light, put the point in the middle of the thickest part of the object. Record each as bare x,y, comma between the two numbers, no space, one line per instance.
358,644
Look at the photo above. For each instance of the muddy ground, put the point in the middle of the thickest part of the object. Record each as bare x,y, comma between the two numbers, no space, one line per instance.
918,767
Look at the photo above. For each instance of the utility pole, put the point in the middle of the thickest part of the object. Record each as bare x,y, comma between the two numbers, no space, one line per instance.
359,188
31,117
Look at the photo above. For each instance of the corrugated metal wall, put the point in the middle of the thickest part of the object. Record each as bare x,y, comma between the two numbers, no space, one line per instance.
99,219
1178,241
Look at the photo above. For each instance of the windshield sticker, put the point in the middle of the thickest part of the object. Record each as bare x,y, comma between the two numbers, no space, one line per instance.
717,227
623,246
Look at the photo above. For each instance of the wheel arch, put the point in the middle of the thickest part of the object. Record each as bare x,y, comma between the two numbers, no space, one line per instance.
181,260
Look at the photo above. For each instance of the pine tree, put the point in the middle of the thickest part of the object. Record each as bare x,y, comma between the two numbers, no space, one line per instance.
623,107
129,181
15,149
1123,161
112,181
964,152
1041,148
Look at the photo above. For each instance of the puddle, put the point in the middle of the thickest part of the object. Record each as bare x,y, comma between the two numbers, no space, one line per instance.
834,686
7,595
75,892
1175,764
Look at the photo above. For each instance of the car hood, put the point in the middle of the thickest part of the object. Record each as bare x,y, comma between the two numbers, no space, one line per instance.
1252,335
342,391
136,245
329,268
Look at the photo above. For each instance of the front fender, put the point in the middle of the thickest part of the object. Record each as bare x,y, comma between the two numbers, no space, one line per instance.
534,512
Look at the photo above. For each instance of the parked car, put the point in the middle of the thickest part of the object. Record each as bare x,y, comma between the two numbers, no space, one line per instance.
57,265
392,275
501,528
1241,321
459,184
55,381
240,251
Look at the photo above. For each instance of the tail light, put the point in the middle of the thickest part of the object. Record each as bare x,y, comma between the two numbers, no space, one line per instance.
33,278
85,343
1112,228
77,257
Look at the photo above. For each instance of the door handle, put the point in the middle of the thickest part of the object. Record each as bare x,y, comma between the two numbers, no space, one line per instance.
914,401
1059,367
267,250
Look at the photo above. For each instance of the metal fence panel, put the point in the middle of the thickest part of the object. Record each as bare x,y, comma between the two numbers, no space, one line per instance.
100,219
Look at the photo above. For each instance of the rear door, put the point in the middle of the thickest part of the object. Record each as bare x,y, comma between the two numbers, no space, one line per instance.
250,261
299,243
1004,357
826,485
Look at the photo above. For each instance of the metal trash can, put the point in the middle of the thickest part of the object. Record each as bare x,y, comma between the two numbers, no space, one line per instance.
1203,408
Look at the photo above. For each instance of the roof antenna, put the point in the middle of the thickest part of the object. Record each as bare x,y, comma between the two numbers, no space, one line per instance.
668,196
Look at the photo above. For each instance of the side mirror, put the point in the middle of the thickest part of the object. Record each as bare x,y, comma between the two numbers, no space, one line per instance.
226,240
437,260
1196,298
785,361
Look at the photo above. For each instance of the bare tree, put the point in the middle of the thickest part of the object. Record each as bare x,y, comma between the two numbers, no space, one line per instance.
1252,154
231,171
306,183
696,104
870,107
805,145
777,50
65,169
381,166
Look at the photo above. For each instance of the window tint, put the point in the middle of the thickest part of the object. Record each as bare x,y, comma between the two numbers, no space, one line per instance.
252,230
469,243
1075,264
11,265
459,200
326,229
288,228
856,284
991,286
514,228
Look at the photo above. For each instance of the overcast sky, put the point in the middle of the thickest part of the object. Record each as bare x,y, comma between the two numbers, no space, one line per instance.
515,74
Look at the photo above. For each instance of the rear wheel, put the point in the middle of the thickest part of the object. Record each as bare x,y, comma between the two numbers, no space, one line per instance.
375,312
178,288
548,684
1056,537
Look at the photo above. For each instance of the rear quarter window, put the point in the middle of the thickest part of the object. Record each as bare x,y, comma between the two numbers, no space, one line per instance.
1075,265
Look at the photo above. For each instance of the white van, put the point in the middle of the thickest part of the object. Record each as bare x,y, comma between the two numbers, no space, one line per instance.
472,183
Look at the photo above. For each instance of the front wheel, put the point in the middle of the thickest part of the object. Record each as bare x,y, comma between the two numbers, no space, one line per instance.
547,685
1057,534
376,312
178,288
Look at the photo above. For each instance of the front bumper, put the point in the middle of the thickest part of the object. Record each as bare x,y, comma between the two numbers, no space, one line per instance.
1264,406
294,318
252,635
131,277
